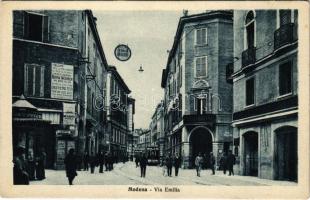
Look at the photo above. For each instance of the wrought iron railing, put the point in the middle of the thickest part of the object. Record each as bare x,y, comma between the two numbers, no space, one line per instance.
284,35
248,56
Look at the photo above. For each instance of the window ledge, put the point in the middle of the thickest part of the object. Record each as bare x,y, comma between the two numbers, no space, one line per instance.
285,95
201,45
249,106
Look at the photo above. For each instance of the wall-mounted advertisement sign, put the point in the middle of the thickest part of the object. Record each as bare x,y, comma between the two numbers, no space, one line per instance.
69,113
122,52
62,81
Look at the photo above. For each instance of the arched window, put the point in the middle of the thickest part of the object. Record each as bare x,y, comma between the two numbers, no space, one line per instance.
249,30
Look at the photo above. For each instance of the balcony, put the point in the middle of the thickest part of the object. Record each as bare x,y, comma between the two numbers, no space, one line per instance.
284,35
248,56
206,119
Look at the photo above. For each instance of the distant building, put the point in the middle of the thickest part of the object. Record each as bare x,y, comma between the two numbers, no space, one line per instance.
144,140
265,98
157,129
198,99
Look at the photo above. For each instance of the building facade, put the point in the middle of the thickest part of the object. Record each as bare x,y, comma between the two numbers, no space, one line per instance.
265,111
198,99
131,137
117,113
58,67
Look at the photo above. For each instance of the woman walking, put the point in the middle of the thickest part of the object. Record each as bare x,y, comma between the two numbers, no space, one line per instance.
70,162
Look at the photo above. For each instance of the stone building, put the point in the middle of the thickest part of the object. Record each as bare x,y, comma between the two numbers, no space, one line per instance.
198,99
157,130
131,137
52,67
265,110
117,113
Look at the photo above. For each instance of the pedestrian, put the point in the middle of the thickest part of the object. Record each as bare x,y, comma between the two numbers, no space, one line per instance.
71,166
212,162
169,163
31,165
92,160
198,164
164,167
40,169
86,161
177,163
101,161
20,175
231,160
137,160
143,163
223,162
204,161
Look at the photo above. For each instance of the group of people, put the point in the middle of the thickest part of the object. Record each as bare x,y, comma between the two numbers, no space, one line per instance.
101,159
169,162
226,163
28,168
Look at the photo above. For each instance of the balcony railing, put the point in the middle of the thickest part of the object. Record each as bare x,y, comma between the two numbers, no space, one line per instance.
248,56
199,119
284,35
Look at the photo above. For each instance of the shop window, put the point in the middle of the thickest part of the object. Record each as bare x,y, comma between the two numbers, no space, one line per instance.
250,93
36,27
201,66
285,78
34,80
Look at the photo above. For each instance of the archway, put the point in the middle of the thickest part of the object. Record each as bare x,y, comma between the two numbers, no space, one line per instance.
250,155
286,153
200,142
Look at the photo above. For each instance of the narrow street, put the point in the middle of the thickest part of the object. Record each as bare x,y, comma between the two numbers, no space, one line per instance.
128,174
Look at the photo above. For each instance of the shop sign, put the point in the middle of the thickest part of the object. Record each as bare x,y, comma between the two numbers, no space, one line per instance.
122,52
62,81
63,132
27,114
68,113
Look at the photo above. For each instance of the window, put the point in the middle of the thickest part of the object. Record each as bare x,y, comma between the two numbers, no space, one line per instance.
250,91
201,66
250,30
285,78
201,36
285,17
34,80
36,27
201,105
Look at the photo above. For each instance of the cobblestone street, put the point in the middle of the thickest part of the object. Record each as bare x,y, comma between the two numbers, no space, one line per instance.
128,174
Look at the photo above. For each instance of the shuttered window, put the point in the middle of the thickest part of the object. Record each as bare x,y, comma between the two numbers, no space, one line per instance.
34,80
201,66
250,91
201,36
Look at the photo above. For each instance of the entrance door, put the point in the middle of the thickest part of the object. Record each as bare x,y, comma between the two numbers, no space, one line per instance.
250,154
200,142
286,154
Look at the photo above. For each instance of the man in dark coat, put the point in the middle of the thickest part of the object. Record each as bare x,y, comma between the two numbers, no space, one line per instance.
212,163
143,163
231,159
223,163
101,161
177,164
20,175
169,163
71,164
31,166
40,170
92,160
86,161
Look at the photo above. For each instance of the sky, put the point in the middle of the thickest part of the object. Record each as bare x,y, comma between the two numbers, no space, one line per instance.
149,35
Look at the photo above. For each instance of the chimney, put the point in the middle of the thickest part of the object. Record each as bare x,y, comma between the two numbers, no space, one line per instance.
185,13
